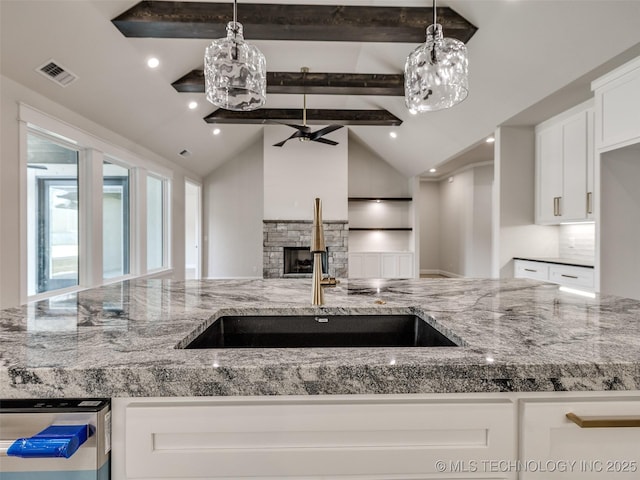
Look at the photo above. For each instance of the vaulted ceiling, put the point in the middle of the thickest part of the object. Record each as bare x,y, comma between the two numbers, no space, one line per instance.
522,52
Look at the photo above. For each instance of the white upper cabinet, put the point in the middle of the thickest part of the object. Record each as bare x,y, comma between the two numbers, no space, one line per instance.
617,103
564,166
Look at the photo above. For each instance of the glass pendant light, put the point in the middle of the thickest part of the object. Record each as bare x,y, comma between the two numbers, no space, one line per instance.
435,74
235,72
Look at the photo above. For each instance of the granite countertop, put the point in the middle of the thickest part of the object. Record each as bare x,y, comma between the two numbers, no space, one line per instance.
119,340
558,261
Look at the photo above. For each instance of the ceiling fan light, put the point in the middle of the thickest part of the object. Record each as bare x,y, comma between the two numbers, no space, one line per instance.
436,73
235,72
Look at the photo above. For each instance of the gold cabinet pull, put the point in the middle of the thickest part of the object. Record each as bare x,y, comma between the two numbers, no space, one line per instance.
555,206
604,421
589,202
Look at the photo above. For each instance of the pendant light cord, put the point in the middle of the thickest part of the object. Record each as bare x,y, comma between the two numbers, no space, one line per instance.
434,12
235,10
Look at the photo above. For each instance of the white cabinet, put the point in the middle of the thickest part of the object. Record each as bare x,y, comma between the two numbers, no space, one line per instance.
533,270
373,436
364,265
567,275
572,276
380,265
617,103
555,447
564,166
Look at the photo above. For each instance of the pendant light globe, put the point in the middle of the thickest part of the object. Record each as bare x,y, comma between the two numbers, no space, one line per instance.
235,72
436,73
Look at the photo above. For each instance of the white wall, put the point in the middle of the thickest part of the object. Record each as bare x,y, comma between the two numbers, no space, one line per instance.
429,208
11,93
456,222
233,207
620,222
371,176
577,242
479,259
298,172
514,231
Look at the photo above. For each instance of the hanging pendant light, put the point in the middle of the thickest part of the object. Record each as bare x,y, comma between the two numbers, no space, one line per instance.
435,74
235,72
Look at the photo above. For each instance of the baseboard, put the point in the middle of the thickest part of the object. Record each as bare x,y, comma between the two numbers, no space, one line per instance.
426,271
450,274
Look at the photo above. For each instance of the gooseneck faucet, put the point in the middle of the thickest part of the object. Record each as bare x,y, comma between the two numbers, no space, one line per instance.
317,249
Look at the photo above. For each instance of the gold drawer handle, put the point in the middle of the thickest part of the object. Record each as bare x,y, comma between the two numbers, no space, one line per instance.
569,276
604,422
530,270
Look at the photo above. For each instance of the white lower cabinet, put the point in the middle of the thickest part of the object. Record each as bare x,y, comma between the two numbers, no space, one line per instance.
567,275
364,437
554,447
381,265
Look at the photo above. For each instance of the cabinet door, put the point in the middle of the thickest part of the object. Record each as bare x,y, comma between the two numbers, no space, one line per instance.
389,264
332,439
552,446
356,265
405,265
371,265
618,109
533,270
548,174
573,203
572,276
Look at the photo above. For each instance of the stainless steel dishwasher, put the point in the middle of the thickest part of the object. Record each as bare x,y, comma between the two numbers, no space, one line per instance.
61,439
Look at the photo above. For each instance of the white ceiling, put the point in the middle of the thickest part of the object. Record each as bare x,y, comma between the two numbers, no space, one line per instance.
523,52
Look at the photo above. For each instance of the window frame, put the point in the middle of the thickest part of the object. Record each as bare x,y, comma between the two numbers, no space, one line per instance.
93,151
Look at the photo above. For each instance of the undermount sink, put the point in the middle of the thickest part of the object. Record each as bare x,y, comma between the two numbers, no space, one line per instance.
303,331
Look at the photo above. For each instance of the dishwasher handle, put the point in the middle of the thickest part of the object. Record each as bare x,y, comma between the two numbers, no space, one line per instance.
53,442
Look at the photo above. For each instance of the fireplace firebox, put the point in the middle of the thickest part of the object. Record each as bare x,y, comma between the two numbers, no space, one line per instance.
299,261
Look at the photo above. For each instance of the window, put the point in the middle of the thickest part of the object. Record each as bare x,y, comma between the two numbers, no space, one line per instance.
52,215
155,223
115,220
78,190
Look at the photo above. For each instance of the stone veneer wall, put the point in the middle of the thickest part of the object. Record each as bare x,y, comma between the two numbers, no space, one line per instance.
278,234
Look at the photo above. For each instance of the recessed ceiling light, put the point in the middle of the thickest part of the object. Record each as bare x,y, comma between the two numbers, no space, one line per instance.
393,134
432,170
216,131
491,140
193,105
153,62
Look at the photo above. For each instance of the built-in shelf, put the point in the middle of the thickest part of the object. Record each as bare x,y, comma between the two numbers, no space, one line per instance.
362,229
382,199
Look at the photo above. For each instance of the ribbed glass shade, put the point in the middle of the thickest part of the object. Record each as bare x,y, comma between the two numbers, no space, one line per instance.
235,72
435,74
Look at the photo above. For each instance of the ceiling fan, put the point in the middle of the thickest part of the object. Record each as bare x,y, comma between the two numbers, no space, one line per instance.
303,132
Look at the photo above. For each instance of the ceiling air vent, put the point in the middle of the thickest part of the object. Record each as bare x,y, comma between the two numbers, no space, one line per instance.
185,153
56,72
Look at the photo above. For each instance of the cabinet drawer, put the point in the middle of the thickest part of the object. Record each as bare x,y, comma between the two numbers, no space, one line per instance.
584,453
572,276
323,438
534,270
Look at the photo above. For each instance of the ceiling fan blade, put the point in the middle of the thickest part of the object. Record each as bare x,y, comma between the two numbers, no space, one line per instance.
295,134
324,140
302,128
324,131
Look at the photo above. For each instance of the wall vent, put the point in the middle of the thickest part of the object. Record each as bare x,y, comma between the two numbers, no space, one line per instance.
56,72
185,153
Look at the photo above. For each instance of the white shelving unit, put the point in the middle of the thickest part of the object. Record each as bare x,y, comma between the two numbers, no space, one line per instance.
380,237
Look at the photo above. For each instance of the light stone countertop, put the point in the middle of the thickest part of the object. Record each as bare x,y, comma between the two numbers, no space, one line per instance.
119,340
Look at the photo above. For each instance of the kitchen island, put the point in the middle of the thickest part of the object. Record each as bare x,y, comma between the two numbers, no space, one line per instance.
492,408
120,340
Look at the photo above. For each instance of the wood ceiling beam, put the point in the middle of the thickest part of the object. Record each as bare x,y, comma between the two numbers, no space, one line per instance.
171,19
312,83
314,117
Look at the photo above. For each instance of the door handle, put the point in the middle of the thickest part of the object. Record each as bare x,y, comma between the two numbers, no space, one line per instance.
589,202
604,421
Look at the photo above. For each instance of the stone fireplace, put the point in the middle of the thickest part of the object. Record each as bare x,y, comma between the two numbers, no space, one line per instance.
295,237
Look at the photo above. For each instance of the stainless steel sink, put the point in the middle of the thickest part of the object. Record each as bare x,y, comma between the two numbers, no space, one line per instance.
303,331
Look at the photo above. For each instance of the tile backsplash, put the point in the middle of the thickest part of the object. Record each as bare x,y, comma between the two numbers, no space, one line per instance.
578,242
